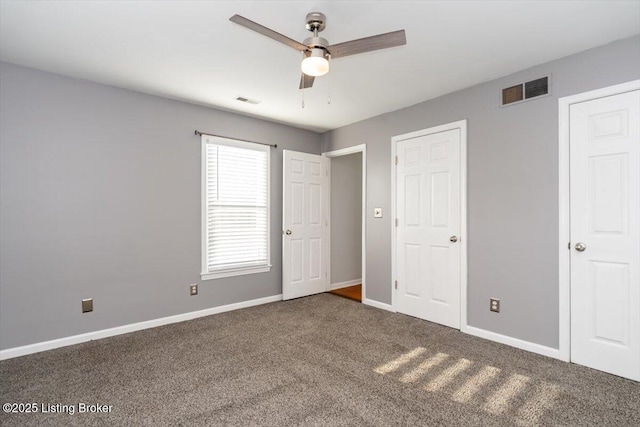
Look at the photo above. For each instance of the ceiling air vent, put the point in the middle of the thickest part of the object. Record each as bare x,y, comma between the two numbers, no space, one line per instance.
525,91
247,100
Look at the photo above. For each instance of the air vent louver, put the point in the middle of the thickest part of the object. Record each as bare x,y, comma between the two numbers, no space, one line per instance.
525,91
512,94
536,88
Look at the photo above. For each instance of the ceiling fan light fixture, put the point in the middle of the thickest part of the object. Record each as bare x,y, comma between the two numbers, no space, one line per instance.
316,51
316,64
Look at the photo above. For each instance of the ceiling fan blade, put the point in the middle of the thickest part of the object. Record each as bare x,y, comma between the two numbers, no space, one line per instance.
367,44
240,20
306,81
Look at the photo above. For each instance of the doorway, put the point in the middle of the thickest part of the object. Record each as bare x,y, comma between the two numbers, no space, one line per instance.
600,229
347,253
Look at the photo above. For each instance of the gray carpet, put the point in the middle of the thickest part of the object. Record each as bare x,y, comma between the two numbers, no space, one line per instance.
321,360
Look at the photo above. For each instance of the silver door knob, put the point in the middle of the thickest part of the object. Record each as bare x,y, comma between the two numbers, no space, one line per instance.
580,247
453,239
288,232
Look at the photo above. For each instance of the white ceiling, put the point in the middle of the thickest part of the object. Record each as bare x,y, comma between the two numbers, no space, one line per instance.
190,51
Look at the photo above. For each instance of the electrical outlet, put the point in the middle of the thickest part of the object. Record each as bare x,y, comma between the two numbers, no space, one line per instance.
494,305
193,289
87,305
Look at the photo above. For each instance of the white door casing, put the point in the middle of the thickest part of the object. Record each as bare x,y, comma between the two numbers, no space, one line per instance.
304,223
605,218
428,250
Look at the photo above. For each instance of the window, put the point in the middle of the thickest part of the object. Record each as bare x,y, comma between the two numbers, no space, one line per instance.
235,207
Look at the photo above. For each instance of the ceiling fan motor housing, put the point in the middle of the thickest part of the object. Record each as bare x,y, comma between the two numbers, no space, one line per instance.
316,42
316,21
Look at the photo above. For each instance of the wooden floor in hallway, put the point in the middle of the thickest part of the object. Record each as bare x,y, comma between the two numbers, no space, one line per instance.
351,292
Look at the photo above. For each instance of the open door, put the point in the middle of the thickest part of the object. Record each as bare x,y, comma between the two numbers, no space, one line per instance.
304,224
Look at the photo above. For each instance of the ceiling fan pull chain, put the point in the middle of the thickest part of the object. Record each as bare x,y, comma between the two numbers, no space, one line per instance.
302,97
329,90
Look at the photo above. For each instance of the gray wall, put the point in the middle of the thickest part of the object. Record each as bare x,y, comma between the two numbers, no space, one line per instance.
100,197
346,218
512,187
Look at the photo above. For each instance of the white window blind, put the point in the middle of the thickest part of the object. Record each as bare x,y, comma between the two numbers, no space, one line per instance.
236,207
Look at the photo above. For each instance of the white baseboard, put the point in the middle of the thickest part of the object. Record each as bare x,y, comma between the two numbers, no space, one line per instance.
514,342
125,329
348,283
379,305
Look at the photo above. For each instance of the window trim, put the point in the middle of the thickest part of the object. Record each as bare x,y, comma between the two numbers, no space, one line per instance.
205,274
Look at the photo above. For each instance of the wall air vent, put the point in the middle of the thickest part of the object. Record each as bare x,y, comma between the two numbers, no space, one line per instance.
525,91
536,87
512,94
247,100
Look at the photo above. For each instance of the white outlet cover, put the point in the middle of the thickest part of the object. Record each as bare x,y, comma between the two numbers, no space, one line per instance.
377,212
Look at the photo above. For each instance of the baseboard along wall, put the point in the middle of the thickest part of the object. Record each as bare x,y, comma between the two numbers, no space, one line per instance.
380,305
514,342
125,329
346,284
119,330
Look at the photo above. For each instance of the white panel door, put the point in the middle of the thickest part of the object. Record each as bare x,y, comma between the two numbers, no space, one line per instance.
605,234
304,223
428,228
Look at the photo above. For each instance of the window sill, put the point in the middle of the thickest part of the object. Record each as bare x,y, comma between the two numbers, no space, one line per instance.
235,272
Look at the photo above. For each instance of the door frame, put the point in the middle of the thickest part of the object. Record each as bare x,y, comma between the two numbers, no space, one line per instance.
564,250
462,125
362,148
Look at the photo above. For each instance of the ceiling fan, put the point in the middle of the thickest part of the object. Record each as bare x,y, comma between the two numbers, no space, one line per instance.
317,51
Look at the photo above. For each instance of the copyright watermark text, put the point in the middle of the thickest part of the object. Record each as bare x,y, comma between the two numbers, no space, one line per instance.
56,408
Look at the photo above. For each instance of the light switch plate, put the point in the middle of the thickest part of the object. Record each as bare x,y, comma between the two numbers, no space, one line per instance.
377,212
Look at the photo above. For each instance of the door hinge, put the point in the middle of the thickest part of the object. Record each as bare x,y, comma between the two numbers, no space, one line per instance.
396,160
396,284
396,222
569,245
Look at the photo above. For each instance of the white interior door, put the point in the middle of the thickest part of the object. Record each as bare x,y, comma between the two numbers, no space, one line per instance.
304,223
605,233
428,208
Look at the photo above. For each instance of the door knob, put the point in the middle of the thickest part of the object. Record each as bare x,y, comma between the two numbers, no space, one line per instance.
288,232
580,247
453,239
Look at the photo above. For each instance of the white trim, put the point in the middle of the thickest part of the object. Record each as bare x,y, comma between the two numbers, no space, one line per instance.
235,272
379,305
564,105
462,125
513,342
125,329
394,215
344,151
203,203
362,148
464,237
326,194
345,284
